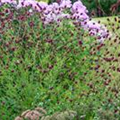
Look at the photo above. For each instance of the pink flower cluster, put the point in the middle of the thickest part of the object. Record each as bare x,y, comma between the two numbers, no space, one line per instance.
55,12
8,1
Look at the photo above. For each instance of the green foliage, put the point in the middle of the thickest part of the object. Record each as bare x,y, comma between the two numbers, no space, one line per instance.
51,66
40,65
104,6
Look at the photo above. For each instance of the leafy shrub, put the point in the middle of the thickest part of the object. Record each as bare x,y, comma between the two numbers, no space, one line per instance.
56,66
41,65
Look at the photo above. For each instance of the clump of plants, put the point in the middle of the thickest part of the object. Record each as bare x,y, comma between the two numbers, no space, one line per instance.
39,113
35,114
56,64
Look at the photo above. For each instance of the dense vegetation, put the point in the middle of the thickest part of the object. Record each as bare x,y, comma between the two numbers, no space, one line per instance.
58,66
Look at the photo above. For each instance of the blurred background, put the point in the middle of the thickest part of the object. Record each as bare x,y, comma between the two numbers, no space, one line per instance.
99,8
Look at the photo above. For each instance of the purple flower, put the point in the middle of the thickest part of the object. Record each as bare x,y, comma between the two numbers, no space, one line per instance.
42,5
65,4
79,7
56,12
8,1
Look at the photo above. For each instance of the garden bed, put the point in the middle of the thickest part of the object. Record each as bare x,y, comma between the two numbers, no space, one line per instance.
57,65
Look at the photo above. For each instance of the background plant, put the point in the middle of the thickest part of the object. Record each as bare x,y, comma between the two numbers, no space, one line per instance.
99,8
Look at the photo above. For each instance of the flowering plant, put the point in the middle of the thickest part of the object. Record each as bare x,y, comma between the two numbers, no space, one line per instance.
56,12
49,57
